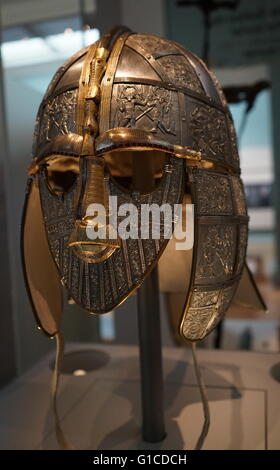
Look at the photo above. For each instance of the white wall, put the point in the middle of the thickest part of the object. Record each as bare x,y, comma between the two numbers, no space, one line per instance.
144,16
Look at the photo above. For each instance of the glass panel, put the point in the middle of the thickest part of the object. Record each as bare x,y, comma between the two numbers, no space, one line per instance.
37,38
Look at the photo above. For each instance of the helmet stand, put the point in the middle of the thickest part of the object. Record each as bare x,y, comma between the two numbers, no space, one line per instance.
149,331
153,428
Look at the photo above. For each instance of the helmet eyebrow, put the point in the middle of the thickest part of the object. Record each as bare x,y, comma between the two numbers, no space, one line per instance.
65,145
123,138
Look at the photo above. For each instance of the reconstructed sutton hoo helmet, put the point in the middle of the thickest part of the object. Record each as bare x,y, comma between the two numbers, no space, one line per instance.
128,109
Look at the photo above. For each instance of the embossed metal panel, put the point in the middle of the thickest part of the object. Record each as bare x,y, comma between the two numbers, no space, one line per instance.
221,226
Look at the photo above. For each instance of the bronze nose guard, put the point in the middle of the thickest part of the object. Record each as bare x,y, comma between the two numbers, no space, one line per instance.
92,234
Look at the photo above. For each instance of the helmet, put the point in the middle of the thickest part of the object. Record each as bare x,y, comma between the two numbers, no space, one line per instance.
137,120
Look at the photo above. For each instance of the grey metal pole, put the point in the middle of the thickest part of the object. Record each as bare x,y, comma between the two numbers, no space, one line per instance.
153,429
149,331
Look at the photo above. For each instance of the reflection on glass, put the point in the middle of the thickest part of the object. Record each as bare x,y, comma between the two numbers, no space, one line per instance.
54,47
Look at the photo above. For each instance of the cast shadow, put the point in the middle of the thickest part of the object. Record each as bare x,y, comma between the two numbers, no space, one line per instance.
178,372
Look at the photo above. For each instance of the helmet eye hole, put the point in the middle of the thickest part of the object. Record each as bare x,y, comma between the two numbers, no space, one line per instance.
129,167
62,172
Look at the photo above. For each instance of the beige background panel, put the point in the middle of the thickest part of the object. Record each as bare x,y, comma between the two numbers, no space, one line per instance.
175,264
41,272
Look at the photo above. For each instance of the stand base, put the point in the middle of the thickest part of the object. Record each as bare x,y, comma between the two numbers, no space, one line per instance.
102,410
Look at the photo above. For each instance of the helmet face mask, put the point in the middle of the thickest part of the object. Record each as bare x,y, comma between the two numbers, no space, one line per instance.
95,282
142,121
